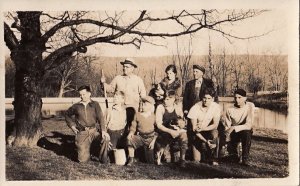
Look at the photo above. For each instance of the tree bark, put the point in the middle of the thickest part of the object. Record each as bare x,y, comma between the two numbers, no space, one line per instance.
27,58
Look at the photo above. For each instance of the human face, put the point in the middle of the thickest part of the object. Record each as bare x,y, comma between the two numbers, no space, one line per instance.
170,75
239,100
85,95
198,74
127,69
207,100
169,101
118,99
147,107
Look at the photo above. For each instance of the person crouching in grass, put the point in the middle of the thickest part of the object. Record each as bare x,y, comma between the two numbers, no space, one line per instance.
113,133
205,117
169,120
143,124
238,126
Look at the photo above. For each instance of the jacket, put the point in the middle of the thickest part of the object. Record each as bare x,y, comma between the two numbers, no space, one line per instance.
189,98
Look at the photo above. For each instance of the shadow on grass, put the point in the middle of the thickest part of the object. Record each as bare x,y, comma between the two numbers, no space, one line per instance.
61,144
269,139
64,145
202,170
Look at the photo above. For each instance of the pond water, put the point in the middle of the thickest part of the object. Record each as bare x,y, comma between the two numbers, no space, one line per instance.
265,118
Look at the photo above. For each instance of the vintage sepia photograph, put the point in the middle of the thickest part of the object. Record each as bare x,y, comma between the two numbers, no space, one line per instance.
135,93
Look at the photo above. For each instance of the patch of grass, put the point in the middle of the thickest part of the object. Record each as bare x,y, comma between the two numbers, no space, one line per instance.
54,160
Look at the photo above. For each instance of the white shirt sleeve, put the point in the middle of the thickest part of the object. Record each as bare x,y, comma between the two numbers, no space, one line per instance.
113,84
142,89
249,119
193,112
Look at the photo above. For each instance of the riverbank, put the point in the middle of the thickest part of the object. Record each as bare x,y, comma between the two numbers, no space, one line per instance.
275,101
54,160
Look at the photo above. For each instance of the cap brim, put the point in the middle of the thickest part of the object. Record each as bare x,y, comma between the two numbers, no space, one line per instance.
134,65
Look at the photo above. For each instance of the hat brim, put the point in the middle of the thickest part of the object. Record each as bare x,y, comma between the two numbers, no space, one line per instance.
123,62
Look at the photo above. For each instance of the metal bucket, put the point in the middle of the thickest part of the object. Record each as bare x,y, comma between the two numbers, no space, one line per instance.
120,156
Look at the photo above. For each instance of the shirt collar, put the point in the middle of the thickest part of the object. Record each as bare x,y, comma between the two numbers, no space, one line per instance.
117,107
85,103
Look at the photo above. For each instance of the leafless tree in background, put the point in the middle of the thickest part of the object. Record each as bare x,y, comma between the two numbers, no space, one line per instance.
33,36
182,59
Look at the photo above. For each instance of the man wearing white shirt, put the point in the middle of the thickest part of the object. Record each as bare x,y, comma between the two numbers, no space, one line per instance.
205,117
238,125
132,86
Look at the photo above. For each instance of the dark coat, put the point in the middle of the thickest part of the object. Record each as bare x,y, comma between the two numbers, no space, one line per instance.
189,98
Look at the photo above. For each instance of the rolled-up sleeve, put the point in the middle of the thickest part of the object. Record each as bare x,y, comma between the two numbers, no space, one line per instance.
133,125
142,89
248,120
228,121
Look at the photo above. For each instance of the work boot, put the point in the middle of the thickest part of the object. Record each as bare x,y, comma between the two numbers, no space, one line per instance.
245,162
130,161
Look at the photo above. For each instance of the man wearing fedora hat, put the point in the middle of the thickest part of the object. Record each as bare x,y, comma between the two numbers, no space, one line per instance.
132,86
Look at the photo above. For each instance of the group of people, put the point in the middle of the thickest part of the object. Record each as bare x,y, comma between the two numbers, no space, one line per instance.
159,122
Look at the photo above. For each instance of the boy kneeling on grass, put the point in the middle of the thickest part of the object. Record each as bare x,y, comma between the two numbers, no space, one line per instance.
171,127
143,124
114,131
205,117
238,126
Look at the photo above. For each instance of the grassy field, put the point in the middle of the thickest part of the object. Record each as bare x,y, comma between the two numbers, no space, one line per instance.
54,160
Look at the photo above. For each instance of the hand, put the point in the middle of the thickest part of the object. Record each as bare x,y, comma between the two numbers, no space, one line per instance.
174,133
227,133
151,145
105,136
197,129
74,129
185,113
130,135
211,145
103,79
181,123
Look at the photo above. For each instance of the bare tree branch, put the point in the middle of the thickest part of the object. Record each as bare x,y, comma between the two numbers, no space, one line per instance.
10,38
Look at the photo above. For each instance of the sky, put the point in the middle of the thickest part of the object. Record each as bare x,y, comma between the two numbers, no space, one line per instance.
273,22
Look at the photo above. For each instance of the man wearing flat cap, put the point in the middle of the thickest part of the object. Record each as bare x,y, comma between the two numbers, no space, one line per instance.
194,89
238,126
193,93
132,86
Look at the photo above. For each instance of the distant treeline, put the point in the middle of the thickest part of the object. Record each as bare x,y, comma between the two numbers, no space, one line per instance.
274,101
251,72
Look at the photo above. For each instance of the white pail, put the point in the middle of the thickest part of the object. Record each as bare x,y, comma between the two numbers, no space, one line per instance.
120,156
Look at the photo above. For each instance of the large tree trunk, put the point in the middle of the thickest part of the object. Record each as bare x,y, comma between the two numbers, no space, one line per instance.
28,58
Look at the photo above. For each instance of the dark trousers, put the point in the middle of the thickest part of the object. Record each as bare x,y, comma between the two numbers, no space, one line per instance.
130,113
117,139
243,136
199,146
